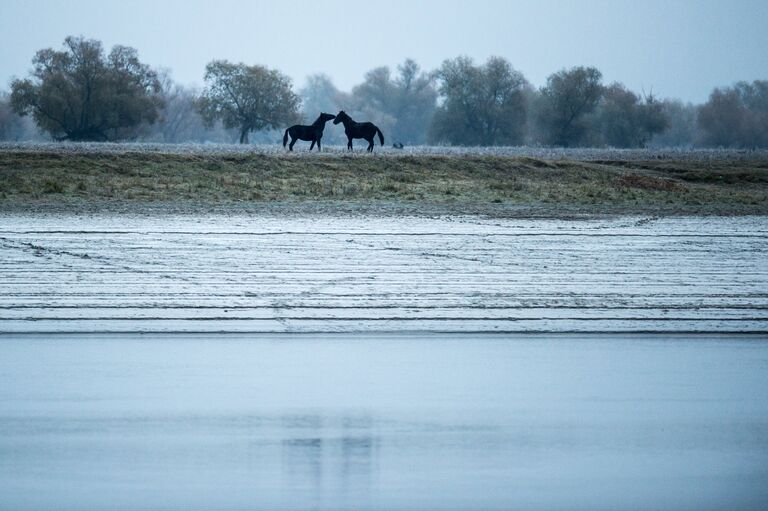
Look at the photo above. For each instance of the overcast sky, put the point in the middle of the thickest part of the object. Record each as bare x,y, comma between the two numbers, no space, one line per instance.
677,48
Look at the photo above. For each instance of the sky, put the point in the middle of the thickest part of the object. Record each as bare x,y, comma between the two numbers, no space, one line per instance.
673,48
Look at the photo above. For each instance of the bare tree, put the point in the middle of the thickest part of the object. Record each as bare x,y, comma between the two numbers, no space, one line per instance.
179,119
681,128
11,124
319,94
415,105
402,105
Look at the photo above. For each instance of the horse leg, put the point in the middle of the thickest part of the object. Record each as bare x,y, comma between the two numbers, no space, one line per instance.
312,145
318,144
370,144
349,144
290,146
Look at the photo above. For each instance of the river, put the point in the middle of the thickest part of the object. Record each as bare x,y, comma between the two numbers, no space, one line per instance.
383,421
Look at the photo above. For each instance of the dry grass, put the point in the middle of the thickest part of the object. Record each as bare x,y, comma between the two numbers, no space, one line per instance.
730,186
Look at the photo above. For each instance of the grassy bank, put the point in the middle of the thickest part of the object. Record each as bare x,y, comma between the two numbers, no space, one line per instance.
728,186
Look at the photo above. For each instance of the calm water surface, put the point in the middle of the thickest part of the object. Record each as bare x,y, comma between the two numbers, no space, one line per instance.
383,422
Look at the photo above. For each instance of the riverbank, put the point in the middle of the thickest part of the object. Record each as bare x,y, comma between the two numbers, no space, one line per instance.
577,183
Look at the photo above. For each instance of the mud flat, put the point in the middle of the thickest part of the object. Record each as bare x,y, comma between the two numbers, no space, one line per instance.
260,273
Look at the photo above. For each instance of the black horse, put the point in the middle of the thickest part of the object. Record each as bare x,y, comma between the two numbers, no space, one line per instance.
314,132
366,130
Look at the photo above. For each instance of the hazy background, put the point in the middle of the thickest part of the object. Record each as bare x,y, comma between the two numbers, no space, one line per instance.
678,49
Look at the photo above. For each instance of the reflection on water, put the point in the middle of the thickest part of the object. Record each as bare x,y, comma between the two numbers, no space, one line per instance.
465,422
337,465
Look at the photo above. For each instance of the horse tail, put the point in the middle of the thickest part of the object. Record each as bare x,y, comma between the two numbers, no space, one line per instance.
285,137
381,135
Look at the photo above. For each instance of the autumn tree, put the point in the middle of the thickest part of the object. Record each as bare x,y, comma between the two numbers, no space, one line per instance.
82,94
482,105
249,98
567,99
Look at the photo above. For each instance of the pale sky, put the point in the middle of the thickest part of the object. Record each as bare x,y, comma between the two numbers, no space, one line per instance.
677,48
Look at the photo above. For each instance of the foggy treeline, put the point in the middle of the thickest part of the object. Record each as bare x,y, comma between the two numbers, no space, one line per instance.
83,93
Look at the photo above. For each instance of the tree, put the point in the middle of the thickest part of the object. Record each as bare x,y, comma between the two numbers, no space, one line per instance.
626,120
721,119
319,94
681,128
755,98
415,103
736,116
249,98
81,94
482,105
178,120
569,96
11,125
374,100
403,105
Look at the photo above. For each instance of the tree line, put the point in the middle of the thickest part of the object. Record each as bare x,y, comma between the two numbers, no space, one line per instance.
81,92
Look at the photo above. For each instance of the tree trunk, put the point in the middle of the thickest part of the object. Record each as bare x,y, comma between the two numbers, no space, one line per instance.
244,136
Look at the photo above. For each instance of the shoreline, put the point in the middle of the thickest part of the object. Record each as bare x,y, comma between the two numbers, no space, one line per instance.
348,209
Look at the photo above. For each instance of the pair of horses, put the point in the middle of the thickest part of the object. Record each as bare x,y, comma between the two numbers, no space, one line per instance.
314,132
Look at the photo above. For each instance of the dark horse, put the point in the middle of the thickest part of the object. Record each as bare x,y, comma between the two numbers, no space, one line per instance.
366,130
314,132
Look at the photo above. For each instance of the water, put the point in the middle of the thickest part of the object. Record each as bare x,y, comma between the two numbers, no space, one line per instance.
383,422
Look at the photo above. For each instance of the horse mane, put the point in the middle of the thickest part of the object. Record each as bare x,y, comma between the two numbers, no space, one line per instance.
322,119
318,121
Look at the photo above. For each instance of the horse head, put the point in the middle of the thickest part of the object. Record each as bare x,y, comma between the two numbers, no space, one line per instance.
340,117
324,117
